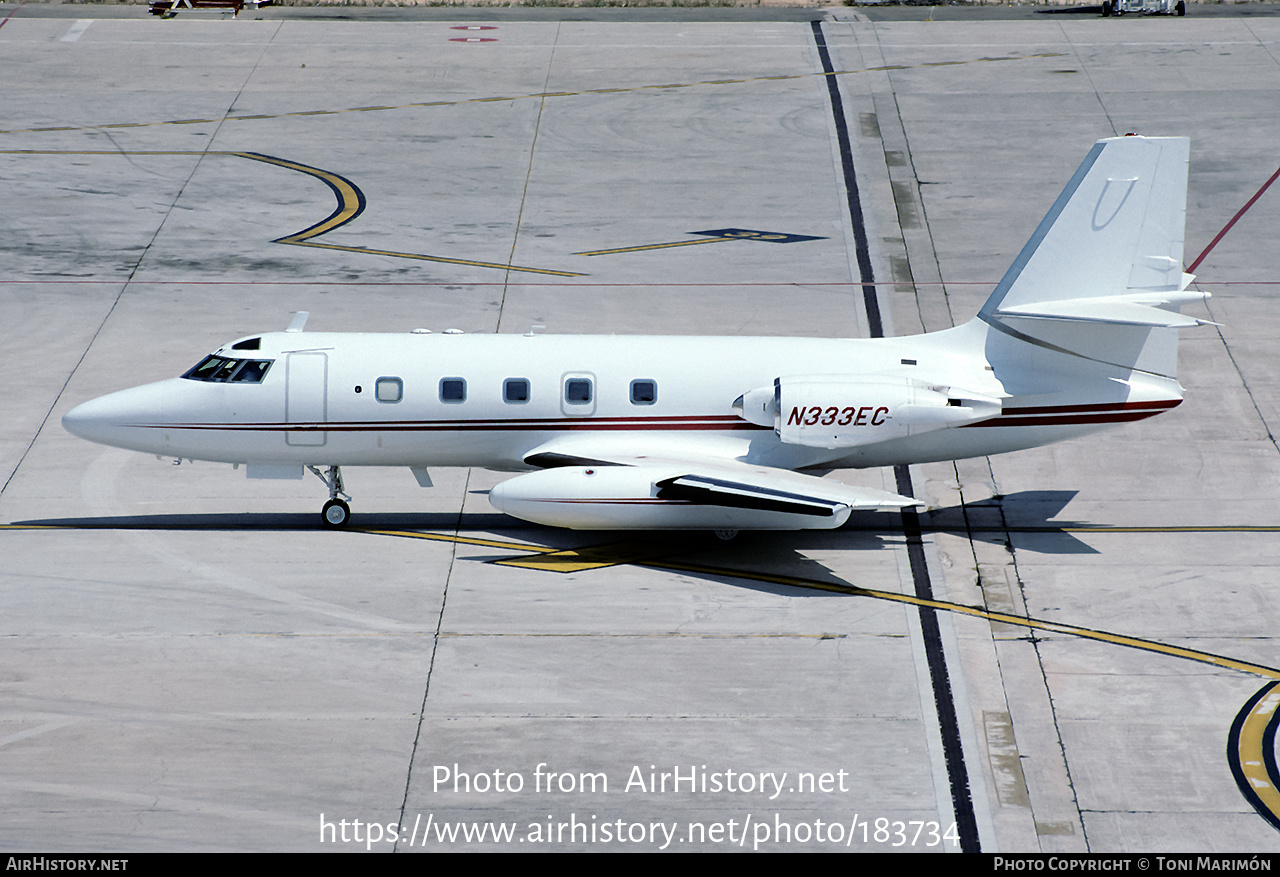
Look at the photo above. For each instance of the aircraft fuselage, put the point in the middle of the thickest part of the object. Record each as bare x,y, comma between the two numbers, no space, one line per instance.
422,400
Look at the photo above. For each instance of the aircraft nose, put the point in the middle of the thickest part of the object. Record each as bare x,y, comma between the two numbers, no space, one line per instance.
94,420
114,419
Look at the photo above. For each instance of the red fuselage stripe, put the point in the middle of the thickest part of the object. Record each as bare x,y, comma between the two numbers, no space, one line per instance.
1044,415
1159,405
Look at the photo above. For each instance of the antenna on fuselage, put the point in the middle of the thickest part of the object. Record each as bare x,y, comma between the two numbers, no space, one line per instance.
298,322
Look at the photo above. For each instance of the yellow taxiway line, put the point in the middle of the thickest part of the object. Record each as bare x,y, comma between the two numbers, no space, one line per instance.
532,96
351,203
1251,746
1251,750
654,555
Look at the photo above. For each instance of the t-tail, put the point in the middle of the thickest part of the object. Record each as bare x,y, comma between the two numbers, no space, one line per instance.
1083,328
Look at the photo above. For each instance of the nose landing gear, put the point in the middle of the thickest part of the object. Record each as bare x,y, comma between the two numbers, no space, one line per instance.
336,512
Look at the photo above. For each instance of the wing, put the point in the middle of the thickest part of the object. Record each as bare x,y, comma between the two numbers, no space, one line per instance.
609,491
776,490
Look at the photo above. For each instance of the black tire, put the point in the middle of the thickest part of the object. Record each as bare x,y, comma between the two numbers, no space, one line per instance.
335,513
1180,8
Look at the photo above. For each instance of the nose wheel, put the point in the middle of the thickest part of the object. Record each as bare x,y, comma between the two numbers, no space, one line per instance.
336,512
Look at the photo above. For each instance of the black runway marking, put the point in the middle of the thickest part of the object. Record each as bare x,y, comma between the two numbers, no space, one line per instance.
961,797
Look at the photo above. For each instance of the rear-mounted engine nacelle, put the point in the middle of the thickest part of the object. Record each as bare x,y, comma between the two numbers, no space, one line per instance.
839,412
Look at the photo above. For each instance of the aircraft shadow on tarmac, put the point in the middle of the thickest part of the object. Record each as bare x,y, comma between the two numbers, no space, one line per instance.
1026,519
763,560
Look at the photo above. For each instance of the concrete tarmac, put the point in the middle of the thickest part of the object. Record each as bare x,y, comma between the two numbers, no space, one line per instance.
189,662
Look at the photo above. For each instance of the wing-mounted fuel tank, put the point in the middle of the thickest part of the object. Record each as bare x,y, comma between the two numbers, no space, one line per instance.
679,495
837,411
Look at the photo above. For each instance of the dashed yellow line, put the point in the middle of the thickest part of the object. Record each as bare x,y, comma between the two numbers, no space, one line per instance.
533,96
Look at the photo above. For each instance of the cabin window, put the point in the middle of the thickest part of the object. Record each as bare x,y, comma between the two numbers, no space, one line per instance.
388,390
577,391
223,369
515,391
453,390
644,391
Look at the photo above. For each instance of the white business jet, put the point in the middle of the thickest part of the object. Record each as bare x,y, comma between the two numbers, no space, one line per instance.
714,433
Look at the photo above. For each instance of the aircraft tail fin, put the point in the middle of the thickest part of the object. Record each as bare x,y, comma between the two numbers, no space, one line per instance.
1101,278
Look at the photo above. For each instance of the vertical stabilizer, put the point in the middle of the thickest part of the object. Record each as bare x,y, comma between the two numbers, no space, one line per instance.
1101,278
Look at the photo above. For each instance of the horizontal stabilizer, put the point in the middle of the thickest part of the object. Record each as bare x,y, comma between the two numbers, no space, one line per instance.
1140,309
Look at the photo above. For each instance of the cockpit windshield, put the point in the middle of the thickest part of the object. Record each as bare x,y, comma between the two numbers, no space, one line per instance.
223,369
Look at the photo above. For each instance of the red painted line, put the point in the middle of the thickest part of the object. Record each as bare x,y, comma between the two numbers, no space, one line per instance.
656,425
675,419
5,20
1191,269
1063,420
376,427
1045,415
450,283
1069,415
1081,409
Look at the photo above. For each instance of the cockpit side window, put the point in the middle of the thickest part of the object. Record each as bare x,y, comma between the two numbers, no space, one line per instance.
224,373
252,372
223,369
205,369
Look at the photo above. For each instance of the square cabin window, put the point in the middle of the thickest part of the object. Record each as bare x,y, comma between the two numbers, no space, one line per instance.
453,390
388,390
577,391
515,391
644,392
